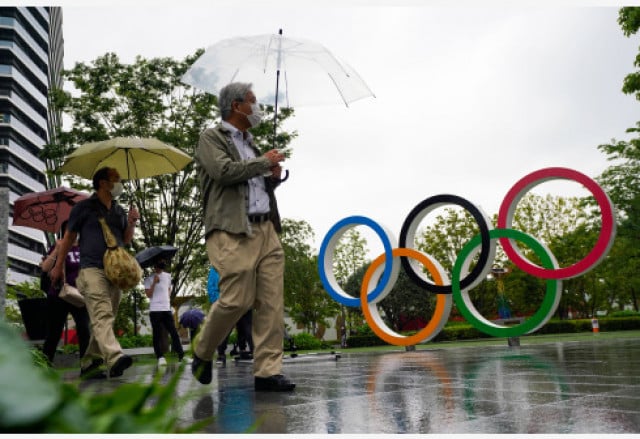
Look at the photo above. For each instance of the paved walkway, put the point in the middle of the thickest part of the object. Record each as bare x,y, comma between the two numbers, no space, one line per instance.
566,387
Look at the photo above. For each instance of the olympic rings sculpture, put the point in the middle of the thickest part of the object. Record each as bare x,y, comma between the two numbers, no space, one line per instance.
383,272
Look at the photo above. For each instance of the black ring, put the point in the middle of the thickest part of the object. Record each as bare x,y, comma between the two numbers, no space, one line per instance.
485,249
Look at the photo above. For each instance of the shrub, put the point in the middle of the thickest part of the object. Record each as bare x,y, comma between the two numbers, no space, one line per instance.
70,348
305,341
135,341
34,399
619,323
624,313
460,331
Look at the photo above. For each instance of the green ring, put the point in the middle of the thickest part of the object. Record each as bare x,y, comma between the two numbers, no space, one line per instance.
549,303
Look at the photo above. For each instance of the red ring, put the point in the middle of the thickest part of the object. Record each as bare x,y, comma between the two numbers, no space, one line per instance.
605,239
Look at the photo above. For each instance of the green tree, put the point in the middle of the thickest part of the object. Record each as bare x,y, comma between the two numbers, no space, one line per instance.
404,303
146,99
621,181
629,20
547,218
306,300
349,256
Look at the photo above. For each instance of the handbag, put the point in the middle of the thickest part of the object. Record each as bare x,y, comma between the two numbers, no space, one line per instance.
120,267
71,294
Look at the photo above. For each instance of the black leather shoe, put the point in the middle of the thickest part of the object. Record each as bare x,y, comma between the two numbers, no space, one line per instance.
122,363
222,359
246,355
275,383
92,371
202,370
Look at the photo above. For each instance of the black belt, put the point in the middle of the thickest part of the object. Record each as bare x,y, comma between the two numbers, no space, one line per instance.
260,218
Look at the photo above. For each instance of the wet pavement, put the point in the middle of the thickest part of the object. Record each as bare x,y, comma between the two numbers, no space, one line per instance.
587,386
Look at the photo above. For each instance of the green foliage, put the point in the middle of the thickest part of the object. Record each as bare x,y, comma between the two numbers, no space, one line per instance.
28,392
132,301
349,256
445,236
233,337
135,341
584,325
405,302
305,299
621,181
70,348
25,290
305,341
455,331
358,341
629,20
147,99
551,219
459,332
624,313
39,358
264,133
619,323
34,399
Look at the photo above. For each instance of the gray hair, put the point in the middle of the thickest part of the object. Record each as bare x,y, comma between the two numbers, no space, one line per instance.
230,93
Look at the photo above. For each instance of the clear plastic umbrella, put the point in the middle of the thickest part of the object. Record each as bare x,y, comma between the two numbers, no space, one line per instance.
285,71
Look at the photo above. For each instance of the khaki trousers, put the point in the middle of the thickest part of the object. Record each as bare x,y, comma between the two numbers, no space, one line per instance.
251,270
102,299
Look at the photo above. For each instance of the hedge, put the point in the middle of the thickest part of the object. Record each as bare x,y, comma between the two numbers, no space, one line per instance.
468,332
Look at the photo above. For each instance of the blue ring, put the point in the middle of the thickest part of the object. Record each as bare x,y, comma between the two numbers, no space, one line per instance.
388,252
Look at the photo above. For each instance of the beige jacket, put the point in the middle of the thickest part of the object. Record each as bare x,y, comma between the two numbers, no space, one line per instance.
223,182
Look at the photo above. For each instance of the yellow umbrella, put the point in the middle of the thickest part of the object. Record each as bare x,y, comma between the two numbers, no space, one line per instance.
132,157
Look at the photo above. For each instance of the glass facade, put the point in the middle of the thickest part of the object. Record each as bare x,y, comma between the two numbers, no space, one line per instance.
31,55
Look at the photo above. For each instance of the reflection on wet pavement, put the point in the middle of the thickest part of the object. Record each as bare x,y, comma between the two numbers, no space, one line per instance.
572,387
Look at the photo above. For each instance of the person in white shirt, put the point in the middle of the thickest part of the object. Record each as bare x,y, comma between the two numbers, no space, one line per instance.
157,287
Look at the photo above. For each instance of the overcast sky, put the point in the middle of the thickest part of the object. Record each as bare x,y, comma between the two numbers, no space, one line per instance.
468,99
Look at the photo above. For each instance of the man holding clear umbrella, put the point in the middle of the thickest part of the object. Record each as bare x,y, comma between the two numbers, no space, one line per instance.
241,226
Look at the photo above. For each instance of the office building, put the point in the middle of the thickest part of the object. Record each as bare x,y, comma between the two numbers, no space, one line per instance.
31,56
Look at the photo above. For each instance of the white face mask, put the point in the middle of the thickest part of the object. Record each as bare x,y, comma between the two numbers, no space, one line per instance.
256,115
117,189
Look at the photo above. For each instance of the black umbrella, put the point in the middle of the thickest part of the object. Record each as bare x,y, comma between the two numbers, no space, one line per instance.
192,318
148,256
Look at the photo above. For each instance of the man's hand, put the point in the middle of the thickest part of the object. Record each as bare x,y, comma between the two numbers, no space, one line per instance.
56,274
274,156
276,171
133,216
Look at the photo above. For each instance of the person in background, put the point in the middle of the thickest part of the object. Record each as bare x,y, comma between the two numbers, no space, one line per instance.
241,231
157,287
243,326
101,295
57,309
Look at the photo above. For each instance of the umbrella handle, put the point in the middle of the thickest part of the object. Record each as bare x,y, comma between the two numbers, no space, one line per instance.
286,176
